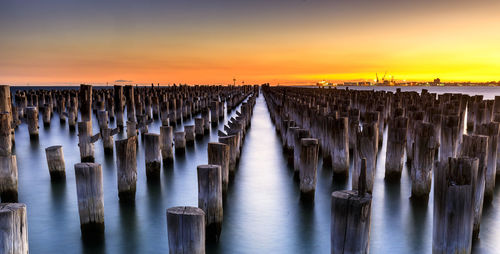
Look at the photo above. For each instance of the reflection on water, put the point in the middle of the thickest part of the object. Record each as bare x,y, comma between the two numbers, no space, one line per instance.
263,212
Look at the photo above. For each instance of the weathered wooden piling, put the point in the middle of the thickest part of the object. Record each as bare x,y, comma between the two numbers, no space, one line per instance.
339,145
106,133
232,142
186,230
190,136
46,115
199,127
298,135
353,126
126,165
424,150
55,161
366,148
86,141
130,102
214,112
477,146
450,129
85,103
219,154
180,141
396,143
8,179
491,130
350,219
13,229
205,114
90,199
131,129
5,132
210,199
73,113
118,107
308,167
455,182
166,138
165,113
152,156
32,120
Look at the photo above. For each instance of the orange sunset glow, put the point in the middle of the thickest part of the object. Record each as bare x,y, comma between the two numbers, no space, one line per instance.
280,42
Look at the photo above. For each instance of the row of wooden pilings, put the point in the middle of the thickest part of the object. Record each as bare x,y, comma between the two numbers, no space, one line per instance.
208,101
190,227
451,136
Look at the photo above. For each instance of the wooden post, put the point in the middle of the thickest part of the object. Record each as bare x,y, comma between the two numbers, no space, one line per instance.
214,112
232,142
366,148
396,143
210,199
46,115
118,100
491,130
8,179
351,215
85,103
129,95
308,166
72,113
299,134
186,230
164,113
131,129
453,217
219,154
62,109
205,114
199,127
86,141
424,150
90,199
477,146
126,165
180,141
339,138
5,132
152,156
289,143
13,229
106,133
190,136
32,119
450,129
166,137
55,161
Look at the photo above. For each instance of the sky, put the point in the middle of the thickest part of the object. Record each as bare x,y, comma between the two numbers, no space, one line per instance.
64,42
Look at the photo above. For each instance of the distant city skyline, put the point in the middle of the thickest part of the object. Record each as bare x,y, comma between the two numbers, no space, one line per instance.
58,42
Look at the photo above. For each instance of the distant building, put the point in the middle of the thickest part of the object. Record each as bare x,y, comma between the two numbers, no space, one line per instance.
437,81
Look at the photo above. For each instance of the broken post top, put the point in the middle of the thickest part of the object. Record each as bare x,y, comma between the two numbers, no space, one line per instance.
209,167
186,210
52,148
9,207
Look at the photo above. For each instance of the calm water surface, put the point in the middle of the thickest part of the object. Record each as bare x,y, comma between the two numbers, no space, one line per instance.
262,211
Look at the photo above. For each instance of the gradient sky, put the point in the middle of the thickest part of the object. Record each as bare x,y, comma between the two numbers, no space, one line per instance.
212,41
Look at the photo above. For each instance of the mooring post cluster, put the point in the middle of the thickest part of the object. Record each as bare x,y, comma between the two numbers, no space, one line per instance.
133,108
425,130
449,140
204,223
